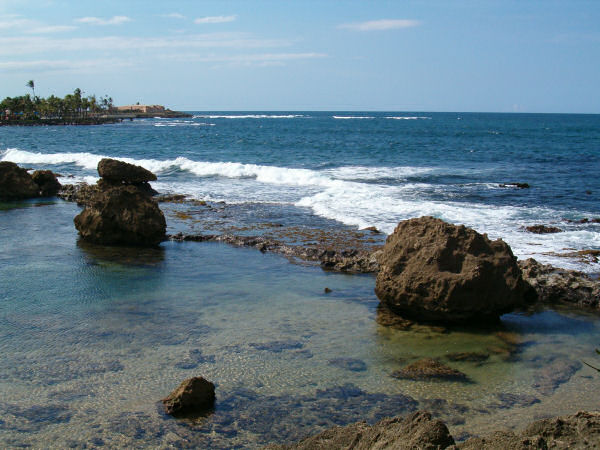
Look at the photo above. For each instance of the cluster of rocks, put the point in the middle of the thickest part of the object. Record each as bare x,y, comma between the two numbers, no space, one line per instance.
119,210
420,430
17,184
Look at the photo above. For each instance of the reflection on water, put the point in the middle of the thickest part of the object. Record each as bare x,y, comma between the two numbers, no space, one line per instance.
93,339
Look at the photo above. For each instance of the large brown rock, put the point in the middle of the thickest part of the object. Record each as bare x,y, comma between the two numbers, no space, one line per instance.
431,270
47,182
122,172
122,216
193,395
16,183
416,431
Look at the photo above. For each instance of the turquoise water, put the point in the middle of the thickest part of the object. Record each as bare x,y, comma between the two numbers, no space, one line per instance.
92,338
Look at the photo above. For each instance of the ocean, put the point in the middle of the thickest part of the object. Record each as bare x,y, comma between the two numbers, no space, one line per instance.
92,338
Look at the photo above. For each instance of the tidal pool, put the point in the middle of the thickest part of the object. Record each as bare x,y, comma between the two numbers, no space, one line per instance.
91,339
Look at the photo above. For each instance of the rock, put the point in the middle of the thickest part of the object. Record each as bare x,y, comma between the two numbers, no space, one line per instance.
351,364
122,216
193,395
431,270
468,357
16,183
122,172
542,229
417,430
327,290
353,261
515,185
373,230
576,431
429,369
47,182
551,376
81,193
553,285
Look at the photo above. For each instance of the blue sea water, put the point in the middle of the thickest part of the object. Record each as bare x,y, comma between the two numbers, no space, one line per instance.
91,338
361,168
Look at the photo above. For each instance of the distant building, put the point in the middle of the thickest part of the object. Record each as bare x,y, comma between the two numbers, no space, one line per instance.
142,108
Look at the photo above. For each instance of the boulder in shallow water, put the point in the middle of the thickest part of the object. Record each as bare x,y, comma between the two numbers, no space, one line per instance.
429,369
431,270
16,183
122,172
193,395
47,182
122,216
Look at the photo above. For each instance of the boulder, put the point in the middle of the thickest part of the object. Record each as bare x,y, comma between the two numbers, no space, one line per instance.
122,216
16,183
429,369
542,229
122,172
556,285
417,431
193,395
431,270
47,182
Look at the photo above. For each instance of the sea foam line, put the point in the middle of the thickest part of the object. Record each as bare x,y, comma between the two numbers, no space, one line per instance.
248,116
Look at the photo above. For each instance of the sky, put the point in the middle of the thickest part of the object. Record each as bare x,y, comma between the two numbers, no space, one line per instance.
292,55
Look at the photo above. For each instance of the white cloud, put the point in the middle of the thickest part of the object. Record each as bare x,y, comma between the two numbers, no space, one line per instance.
379,25
115,20
215,19
71,66
20,24
174,16
44,29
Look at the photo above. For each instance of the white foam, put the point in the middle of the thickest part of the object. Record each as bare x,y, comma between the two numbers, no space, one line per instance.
353,117
248,116
408,117
375,173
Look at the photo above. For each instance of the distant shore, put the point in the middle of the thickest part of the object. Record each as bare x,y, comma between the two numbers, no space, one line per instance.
100,120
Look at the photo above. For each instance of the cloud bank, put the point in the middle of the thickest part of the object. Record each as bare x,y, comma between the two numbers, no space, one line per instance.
380,25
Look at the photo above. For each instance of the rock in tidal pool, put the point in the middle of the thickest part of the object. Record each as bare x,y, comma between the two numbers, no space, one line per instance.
47,182
194,395
429,369
431,270
16,183
122,216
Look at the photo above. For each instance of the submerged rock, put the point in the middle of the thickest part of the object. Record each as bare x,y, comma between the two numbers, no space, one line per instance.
47,182
431,270
551,376
554,285
429,369
16,183
193,395
417,430
122,216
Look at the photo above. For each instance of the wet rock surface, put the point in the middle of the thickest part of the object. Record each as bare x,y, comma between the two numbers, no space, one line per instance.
16,183
417,430
192,395
558,285
47,182
431,270
429,369
121,216
543,229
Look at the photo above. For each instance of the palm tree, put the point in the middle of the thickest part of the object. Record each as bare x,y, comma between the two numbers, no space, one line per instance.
30,84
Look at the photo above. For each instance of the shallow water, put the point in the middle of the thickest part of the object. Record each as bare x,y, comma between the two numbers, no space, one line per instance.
91,339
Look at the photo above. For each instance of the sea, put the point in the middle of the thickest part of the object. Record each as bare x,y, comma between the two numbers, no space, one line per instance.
92,338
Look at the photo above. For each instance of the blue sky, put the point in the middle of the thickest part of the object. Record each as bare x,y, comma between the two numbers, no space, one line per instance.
523,56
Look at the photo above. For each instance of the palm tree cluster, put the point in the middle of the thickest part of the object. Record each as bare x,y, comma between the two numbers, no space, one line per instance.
70,108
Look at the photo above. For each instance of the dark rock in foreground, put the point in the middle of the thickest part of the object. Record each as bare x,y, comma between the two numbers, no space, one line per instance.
555,285
416,431
431,270
122,172
16,183
122,216
47,182
429,369
542,229
193,395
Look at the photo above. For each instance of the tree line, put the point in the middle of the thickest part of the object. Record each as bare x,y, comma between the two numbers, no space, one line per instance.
71,107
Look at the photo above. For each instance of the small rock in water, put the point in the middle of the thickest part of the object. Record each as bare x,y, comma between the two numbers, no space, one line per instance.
47,182
193,395
429,369
327,290
542,229
515,185
351,364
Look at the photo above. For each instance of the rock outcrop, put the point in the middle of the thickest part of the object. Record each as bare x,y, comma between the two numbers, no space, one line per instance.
194,395
418,430
543,229
16,183
431,270
122,216
117,173
555,285
429,369
47,183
